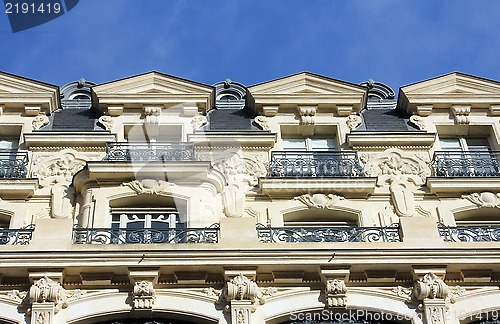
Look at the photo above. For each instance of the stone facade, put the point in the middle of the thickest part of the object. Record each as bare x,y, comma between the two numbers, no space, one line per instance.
277,202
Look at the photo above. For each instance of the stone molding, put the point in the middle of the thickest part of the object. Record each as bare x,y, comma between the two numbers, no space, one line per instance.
149,186
485,199
262,122
320,201
419,121
107,122
39,121
353,121
144,295
198,121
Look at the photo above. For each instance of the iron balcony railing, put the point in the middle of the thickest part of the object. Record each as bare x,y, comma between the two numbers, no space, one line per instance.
328,234
469,233
149,152
20,236
466,164
146,235
293,164
13,164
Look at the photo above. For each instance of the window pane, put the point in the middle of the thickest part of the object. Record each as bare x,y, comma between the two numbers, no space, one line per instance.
322,144
448,144
478,144
294,143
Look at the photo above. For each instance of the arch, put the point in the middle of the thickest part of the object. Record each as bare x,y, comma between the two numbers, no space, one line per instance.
477,303
102,307
359,303
303,213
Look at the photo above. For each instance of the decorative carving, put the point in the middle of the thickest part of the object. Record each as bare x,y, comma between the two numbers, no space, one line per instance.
152,115
307,114
15,295
461,114
149,186
387,216
144,295
241,288
241,175
46,290
198,121
60,204
39,121
402,171
484,199
403,292
58,168
321,201
455,293
262,122
336,293
42,317
106,121
353,121
430,286
419,122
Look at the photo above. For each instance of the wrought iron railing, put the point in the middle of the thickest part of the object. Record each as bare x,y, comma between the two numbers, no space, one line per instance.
469,233
314,164
328,234
13,164
19,236
149,152
145,236
466,164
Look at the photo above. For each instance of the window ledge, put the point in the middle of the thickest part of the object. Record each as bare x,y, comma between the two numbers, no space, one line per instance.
439,185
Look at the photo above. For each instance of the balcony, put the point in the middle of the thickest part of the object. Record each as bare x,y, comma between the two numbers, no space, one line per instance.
328,234
469,233
149,152
13,164
145,235
318,164
466,164
20,236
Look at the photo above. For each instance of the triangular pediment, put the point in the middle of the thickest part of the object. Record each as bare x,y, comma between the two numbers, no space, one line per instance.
153,83
455,83
306,83
13,84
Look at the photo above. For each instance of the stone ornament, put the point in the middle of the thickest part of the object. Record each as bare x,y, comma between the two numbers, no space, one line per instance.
461,114
307,114
46,290
353,121
430,287
241,176
320,201
144,295
58,168
198,121
242,288
402,172
107,122
39,121
335,293
149,186
419,122
262,122
484,199
152,115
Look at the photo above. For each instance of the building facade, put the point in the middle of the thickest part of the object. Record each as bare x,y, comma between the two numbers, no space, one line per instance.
155,199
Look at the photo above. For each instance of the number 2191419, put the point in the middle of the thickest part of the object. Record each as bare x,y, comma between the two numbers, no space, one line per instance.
32,8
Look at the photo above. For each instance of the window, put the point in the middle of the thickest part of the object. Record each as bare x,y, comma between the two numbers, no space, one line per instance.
313,157
309,144
466,157
144,225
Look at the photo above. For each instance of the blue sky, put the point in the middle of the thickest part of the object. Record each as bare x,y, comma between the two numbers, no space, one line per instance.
396,42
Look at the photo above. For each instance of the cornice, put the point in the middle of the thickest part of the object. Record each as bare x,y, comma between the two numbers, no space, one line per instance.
448,185
57,140
224,140
384,140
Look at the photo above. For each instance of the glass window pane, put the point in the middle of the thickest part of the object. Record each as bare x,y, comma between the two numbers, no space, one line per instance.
8,144
322,144
294,143
448,144
478,144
